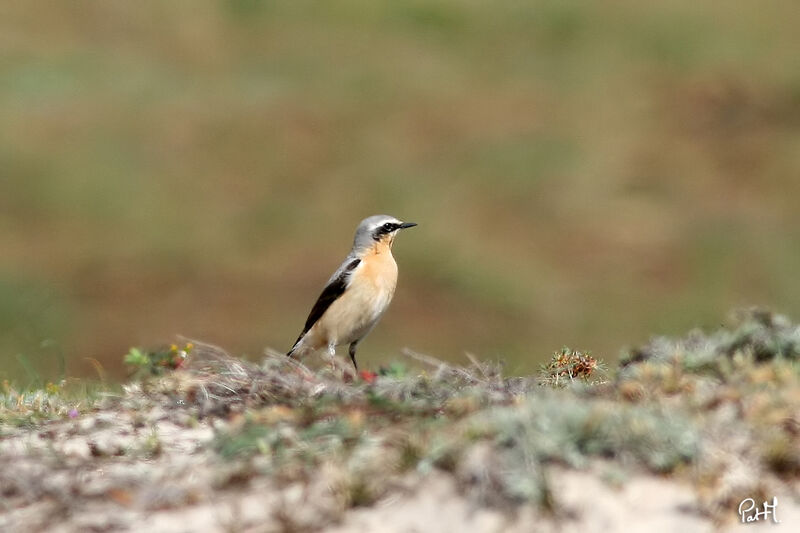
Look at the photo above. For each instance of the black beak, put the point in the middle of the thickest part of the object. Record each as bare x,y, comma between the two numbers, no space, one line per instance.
405,225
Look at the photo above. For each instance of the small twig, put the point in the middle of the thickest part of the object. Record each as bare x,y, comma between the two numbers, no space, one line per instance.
224,387
427,359
434,362
205,349
291,361
477,364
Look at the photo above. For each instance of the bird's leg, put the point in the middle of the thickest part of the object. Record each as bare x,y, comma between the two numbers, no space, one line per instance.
352,352
332,355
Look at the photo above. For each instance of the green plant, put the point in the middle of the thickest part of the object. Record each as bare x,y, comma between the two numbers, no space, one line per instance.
156,362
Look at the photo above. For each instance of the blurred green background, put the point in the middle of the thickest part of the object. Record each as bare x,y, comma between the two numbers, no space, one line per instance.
583,173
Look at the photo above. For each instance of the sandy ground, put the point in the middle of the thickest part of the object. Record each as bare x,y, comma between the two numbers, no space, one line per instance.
100,473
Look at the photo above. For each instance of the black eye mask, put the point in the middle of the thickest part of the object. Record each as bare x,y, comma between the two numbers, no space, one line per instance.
385,229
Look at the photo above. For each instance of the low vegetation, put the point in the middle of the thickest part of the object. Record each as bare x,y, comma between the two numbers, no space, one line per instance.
716,411
569,162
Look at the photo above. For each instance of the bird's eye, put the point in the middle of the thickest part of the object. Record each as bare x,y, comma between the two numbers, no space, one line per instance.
388,226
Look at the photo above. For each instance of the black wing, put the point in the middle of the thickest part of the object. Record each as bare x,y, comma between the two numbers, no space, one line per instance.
330,294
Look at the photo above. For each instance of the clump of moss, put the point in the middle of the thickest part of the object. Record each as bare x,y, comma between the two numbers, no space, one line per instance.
756,333
742,383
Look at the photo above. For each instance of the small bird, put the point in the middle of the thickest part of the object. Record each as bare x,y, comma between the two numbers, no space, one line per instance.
357,294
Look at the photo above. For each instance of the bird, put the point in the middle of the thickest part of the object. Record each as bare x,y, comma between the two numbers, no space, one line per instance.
358,292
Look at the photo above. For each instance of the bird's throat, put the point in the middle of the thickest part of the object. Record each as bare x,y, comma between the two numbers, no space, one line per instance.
383,246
